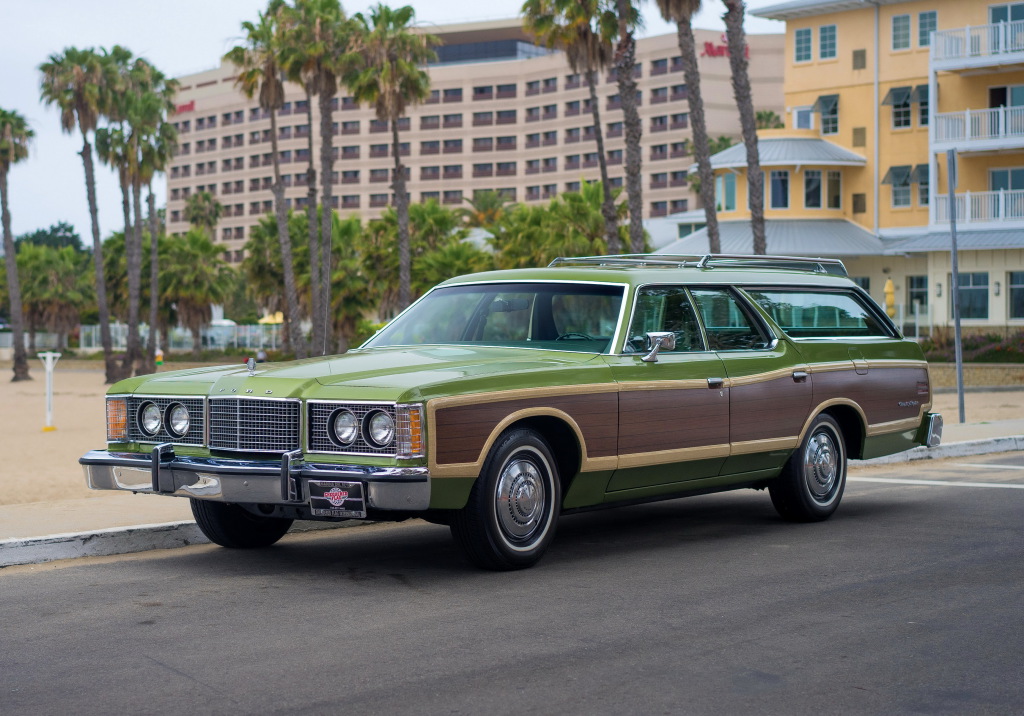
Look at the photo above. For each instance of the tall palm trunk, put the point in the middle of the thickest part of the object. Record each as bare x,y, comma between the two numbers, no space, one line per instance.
291,294
748,123
701,150
311,222
327,92
625,58
149,364
133,240
13,287
112,370
402,209
611,226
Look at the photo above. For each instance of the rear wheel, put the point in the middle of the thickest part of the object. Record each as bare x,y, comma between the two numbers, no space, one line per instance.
232,526
812,482
512,511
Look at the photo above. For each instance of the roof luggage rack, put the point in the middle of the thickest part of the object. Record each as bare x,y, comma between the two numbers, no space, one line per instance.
791,263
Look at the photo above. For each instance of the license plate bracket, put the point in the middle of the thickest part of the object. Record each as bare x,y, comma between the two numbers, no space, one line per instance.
334,498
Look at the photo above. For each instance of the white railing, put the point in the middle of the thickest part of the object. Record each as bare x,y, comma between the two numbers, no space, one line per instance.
982,41
982,206
212,337
973,125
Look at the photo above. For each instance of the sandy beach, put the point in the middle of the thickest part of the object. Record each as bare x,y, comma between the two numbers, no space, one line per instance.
40,466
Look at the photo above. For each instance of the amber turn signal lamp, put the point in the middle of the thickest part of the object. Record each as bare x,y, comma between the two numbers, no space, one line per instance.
117,420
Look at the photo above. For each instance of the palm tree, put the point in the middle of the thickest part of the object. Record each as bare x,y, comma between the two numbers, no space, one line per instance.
628,17
583,29
259,73
391,78
15,135
55,287
486,208
681,12
737,38
75,82
768,119
195,277
203,211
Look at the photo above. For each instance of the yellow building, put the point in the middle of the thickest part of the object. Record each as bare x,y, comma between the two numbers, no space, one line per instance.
875,94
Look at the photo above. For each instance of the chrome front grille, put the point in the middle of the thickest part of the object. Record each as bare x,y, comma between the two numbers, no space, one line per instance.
254,424
196,413
319,418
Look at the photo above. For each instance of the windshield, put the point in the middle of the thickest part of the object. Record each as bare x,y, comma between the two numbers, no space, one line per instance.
557,316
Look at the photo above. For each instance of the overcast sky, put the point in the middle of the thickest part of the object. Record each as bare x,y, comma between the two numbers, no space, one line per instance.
179,37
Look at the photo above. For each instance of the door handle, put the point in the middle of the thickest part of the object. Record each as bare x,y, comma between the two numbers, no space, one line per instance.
716,382
799,376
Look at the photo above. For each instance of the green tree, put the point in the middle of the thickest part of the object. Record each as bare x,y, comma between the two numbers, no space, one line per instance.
195,278
486,207
56,235
583,28
259,73
75,82
203,212
391,78
767,119
15,135
57,288
628,18
735,10
682,12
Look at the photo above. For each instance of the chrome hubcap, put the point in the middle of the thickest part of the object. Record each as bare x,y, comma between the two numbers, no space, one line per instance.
520,499
821,466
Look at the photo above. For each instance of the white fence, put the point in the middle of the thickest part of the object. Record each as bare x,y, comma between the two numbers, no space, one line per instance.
982,206
44,341
981,41
212,337
979,125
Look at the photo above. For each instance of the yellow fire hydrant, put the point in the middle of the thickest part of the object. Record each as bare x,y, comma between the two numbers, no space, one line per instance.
890,298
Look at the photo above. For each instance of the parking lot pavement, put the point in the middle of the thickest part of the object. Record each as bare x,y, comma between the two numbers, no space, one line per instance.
907,600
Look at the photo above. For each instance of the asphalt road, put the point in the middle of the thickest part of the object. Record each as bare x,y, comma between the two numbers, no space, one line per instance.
909,600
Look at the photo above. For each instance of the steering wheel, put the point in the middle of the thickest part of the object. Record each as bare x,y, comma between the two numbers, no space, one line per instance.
575,336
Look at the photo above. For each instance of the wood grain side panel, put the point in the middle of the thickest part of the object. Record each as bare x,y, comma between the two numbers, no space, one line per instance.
771,409
462,431
879,393
672,419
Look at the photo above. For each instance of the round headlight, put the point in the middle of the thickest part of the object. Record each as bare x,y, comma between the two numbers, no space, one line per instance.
177,419
344,427
150,418
379,428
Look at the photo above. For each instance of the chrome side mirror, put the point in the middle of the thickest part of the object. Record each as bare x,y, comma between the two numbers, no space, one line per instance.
655,341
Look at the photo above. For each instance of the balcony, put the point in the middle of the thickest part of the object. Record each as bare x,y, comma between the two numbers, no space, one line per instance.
980,130
982,207
1001,43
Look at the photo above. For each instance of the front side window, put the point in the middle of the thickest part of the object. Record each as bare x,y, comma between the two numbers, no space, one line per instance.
570,317
779,189
802,45
820,314
1015,281
664,308
827,42
917,293
973,294
728,325
901,32
812,189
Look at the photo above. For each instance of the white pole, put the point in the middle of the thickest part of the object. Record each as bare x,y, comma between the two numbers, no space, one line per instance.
49,361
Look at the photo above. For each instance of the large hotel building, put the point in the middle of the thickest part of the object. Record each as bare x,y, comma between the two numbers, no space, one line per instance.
504,114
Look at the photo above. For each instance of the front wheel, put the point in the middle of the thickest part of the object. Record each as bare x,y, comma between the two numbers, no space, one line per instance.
510,517
812,482
232,526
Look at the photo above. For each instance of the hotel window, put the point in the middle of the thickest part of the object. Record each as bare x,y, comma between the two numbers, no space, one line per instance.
725,192
803,118
677,206
899,179
827,105
899,99
532,87
812,188
834,190
452,196
973,294
659,208
1015,284
921,178
453,95
920,97
927,22
901,32
827,42
780,189
802,45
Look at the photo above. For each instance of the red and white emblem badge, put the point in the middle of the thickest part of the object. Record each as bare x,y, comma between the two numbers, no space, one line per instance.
336,496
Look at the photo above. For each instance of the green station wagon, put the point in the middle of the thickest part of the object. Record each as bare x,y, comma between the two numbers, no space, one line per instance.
502,400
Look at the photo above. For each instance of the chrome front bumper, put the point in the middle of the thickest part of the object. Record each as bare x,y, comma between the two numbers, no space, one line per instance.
267,482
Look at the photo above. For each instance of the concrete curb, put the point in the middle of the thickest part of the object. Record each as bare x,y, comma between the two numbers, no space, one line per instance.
143,538
121,540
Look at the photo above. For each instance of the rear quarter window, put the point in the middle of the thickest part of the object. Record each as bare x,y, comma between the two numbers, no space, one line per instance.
820,314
